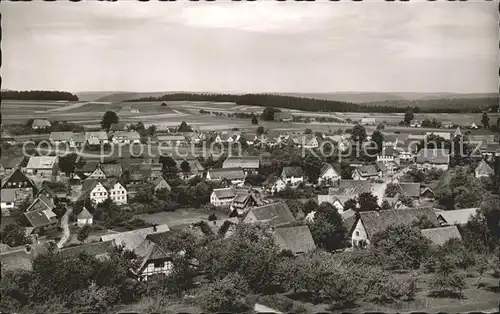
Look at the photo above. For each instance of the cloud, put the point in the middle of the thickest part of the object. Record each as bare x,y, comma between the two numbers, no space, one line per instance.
262,16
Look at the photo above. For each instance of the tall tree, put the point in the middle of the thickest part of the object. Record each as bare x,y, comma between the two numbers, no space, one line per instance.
358,133
485,120
184,127
109,118
185,167
409,116
260,130
328,229
378,139
367,202
255,120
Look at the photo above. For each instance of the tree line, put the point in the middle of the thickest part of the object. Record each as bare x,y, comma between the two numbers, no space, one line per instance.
313,104
38,95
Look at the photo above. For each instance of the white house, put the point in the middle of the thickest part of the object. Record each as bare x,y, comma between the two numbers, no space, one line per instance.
59,138
84,218
483,170
222,197
328,175
126,137
97,192
97,138
388,154
433,158
292,175
117,193
274,184
236,176
306,141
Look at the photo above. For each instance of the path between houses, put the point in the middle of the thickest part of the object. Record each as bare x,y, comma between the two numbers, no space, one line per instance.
65,226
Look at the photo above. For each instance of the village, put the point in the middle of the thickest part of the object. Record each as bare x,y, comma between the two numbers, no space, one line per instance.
311,193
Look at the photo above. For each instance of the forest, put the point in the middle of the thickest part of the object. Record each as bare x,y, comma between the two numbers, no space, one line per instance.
38,95
312,104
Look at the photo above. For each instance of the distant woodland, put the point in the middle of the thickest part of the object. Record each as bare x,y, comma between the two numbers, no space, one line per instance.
38,95
458,105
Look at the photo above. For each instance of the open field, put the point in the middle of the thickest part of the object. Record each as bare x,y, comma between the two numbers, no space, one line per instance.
181,216
90,114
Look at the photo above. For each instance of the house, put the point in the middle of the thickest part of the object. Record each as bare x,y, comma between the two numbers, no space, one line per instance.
126,137
489,150
306,141
433,158
97,138
455,217
157,169
235,176
42,166
40,124
283,116
156,256
352,187
368,121
112,170
16,188
97,174
297,240
387,169
328,175
77,140
249,164
405,155
444,135
415,124
371,222
95,191
171,140
292,175
273,184
457,132
242,201
483,170
41,203
222,197
388,154
116,191
130,240
7,138
409,189
159,183
366,172
195,168
273,214
481,138
8,163
60,138
40,221
447,124
338,201
138,174
249,139
441,235
84,218
86,169
117,127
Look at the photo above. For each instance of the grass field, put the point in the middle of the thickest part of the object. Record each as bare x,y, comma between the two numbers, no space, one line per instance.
89,115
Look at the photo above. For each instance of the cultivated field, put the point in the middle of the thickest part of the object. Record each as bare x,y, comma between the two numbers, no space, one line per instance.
89,115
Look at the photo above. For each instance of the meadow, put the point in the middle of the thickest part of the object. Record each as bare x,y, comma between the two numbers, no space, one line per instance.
89,115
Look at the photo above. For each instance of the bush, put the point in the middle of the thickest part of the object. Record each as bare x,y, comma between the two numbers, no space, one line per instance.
212,217
451,285
282,303
83,233
225,295
93,299
342,289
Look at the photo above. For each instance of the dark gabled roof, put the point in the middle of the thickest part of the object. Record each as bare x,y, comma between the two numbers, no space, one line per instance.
409,189
39,218
353,187
271,180
441,235
297,239
275,213
377,221
97,249
112,170
252,162
433,156
325,168
88,166
224,193
131,239
42,202
368,170
61,136
292,172
117,127
457,216
226,173
14,175
139,172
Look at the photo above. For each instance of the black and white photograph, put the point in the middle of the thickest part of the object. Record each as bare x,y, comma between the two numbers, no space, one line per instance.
249,157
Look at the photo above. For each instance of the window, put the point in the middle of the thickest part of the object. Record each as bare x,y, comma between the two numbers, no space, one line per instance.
93,194
357,233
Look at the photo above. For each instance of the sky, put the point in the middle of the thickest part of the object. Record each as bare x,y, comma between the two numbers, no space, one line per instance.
261,46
